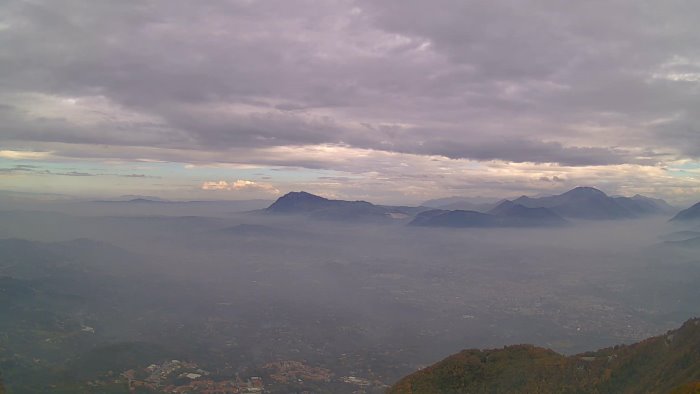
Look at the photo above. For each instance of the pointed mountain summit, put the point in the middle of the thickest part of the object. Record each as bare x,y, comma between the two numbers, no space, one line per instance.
504,207
297,202
584,192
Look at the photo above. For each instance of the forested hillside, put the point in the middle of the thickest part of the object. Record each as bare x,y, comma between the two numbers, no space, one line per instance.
662,364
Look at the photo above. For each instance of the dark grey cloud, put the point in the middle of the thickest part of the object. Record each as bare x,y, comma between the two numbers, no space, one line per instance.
681,132
18,169
26,169
583,83
523,150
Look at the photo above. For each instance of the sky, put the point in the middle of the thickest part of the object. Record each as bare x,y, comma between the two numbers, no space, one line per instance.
393,101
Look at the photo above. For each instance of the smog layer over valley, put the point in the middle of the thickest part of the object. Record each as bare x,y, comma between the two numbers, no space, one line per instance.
351,297
349,196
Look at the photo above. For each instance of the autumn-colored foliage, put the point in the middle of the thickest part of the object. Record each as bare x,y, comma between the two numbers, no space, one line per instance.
690,388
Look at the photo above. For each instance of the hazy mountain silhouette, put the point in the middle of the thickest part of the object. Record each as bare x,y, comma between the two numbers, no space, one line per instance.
457,218
644,205
479,204
318,207
692,213
517,215
580,203
591,203
506,214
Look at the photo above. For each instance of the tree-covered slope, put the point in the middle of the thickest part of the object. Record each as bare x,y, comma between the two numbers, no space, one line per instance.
667,363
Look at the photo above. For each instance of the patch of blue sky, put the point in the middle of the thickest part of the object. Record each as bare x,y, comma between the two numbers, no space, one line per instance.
688,169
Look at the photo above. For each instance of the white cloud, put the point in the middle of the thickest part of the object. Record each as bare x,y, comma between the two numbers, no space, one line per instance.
23,155
214,185
240,185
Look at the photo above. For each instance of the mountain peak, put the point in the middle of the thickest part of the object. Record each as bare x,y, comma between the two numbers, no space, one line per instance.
585,191
318,207
302,195
590,203
297,201
503,207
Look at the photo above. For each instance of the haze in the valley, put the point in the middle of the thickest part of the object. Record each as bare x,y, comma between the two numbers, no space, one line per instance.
339,285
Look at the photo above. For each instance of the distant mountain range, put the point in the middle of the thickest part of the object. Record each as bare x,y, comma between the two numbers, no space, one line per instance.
515,214
133,200
506,214
579,203
480,204
631,206
692,213
593,204
667,363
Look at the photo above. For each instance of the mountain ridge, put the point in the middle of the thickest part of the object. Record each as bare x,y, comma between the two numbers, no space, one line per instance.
579,203
691,213
506,214
585,202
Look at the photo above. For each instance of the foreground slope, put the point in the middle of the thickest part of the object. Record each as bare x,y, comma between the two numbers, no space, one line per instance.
661,364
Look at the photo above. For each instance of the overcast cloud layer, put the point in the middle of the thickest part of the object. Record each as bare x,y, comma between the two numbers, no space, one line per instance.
405,98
